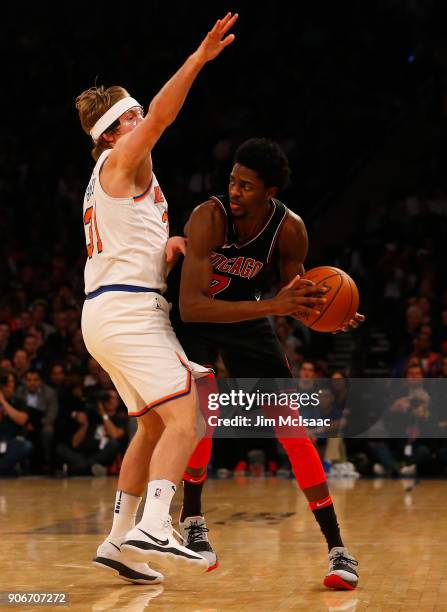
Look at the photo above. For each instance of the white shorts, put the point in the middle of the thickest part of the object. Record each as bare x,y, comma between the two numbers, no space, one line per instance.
131,337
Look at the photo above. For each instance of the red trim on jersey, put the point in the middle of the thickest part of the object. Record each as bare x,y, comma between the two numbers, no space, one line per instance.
167,398
275,237
138,198
288,363
240,245
216,199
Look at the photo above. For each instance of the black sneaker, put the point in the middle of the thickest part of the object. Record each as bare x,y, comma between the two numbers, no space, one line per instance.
195,536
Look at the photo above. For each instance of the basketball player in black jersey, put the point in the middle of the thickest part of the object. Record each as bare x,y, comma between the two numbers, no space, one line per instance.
234,241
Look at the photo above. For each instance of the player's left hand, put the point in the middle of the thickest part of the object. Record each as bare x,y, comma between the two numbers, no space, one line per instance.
353,323
216,41
175,246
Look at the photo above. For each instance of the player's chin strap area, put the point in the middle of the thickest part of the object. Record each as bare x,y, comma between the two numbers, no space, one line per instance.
112,115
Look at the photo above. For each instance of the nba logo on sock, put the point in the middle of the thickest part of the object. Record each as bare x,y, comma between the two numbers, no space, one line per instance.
157,493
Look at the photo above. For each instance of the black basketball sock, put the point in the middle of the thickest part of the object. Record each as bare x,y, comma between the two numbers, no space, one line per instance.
192,499
327,520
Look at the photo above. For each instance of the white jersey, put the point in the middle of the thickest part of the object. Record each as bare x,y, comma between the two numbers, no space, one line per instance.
126,237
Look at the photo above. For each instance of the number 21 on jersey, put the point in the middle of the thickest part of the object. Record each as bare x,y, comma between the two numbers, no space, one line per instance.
89,222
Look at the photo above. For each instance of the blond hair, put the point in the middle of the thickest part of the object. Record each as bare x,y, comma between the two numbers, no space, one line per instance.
92,104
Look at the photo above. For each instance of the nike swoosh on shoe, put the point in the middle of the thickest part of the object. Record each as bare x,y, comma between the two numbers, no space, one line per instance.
156,540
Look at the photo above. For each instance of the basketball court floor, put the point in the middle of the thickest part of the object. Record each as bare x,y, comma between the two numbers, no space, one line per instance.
272,555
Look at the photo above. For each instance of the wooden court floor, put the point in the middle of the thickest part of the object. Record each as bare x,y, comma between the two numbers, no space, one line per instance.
271,551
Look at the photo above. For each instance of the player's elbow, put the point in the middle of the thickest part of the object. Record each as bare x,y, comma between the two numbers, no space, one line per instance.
160,116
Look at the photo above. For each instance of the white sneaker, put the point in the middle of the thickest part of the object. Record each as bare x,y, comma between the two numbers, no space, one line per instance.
195,537
223,474
342,575
335,471
408,470
110,557
378,469
156,543
348,470
98,470
343,470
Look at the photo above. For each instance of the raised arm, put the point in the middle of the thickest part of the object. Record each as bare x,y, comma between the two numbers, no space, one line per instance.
206,231
134,147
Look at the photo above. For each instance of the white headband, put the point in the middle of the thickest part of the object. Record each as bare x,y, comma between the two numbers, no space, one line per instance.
112,115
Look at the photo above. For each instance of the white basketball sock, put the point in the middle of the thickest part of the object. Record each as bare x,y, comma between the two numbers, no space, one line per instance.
126,507
158,500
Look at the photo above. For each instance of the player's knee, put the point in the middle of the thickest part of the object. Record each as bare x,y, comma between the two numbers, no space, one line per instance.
188,430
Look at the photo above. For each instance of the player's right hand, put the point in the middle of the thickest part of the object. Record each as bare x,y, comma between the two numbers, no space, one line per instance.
300,294
215,41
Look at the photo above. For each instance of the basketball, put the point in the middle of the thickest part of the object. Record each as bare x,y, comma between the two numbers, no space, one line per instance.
342,299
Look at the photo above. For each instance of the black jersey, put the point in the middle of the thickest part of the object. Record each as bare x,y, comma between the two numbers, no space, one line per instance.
243,271
240,272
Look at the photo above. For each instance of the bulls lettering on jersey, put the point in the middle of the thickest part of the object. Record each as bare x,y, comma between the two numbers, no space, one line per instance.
242,271
126,237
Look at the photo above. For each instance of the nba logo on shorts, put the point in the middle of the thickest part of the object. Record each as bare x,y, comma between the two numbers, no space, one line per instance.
157,493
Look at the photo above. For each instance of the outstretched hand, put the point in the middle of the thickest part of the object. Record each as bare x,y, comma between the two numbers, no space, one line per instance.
216,41
353,323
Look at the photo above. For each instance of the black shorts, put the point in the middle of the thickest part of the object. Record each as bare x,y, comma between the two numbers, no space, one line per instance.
249,349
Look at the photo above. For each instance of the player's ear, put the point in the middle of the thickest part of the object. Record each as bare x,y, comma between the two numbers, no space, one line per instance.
109,138
271,192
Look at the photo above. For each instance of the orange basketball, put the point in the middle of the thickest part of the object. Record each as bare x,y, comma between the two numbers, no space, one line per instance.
342,298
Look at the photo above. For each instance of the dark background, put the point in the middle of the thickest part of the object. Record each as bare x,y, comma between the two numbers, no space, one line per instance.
355,92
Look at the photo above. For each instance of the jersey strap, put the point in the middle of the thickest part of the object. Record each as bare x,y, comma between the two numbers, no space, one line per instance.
131,288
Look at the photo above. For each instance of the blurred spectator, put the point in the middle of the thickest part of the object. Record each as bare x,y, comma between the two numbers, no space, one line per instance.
94,438
339,386
57,378
13,417
58,342
91,379
411,451
59,381
21,364
5,335
6,366
414,321
42,405
423,351
306,376
77,355
22,325
38,311
31,346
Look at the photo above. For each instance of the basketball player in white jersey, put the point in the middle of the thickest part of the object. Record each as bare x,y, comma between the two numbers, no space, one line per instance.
125,318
